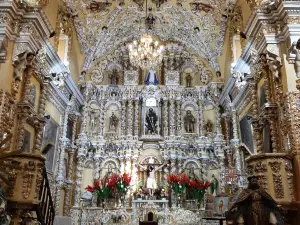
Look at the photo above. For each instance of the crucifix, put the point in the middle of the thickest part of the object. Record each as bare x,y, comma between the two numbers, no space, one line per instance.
151,168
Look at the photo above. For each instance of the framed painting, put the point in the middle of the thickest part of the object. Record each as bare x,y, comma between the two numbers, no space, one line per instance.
220,206
26,142
50,138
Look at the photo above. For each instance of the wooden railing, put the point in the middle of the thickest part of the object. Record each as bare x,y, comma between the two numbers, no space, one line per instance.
45,209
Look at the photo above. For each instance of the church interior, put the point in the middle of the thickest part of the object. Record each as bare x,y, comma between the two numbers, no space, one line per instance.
140,112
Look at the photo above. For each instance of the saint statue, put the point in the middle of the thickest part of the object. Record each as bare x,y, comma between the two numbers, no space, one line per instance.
189,122
114,77
296,50
188,79
151,78
151,121
214,185
192,175
92,121
113,122
151,169
23,59
209,126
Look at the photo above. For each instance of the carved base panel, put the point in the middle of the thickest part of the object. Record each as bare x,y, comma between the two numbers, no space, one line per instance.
275,174
25,182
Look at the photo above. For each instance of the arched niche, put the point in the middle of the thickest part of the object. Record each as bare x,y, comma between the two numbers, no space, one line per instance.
112,111
109,165
192,108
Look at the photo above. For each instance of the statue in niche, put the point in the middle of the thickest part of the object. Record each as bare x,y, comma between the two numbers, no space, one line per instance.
296,51
32,95
214,185
150,21
92,121
189,122
151,121
151,169
114,77
113,122
20,64
151,78
189,79
209,126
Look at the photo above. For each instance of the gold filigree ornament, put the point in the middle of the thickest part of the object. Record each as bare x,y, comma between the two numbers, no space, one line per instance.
275,166
28,177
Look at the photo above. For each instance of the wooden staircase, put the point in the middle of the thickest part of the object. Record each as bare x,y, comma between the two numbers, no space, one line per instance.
45,209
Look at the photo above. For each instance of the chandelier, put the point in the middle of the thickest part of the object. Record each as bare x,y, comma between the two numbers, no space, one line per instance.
145,53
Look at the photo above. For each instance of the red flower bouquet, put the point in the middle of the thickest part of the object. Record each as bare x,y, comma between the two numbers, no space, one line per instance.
112,184
195,188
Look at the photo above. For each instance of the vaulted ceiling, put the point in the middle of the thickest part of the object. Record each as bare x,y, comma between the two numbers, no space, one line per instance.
104,26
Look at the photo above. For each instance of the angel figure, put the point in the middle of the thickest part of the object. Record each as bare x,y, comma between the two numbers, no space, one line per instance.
20,64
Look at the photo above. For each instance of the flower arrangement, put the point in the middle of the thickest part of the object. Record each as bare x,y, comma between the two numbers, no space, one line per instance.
100,189
113,184
196,189
178,183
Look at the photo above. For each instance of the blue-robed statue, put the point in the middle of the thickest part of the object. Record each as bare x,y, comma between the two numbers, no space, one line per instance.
151,78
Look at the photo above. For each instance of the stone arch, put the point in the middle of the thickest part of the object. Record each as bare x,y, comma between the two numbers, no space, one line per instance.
111,103
191,161
191,104
89,163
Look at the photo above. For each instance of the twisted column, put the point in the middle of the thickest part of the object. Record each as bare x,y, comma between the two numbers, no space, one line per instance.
218,121
78,180
68,192
22,112
172,118
136,118
201,119
101,119
41,112
165,107
255,123
130,117
235,125
178,117
123,118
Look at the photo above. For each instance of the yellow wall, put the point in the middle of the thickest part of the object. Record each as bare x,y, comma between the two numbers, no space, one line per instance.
246,12
76,58
53,112
6,69
225,59
51,10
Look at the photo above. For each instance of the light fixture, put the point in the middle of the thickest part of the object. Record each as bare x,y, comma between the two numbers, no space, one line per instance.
145,53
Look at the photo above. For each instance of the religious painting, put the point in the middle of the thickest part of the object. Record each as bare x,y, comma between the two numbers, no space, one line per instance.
246,133
151,122
50,138
220,206
209,209
26,142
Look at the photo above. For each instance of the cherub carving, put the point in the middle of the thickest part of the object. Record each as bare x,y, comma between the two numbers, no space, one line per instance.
23,59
